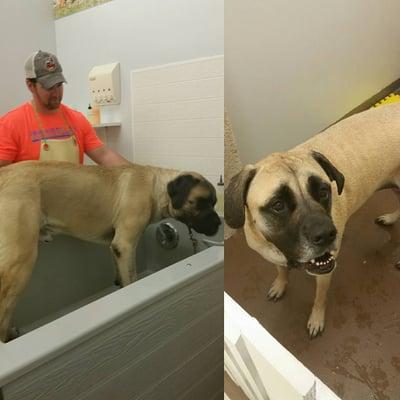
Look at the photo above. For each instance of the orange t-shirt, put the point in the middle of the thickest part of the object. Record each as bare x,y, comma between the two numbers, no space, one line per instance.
20,135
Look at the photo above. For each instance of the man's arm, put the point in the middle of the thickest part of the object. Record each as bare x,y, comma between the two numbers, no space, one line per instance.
105,156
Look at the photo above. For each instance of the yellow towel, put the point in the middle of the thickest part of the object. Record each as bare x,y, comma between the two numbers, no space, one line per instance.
392,98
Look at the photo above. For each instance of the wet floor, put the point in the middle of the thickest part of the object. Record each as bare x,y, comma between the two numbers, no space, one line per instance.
358,355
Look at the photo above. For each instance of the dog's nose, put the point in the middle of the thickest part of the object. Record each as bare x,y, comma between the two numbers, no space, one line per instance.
321,232
207,222
323,236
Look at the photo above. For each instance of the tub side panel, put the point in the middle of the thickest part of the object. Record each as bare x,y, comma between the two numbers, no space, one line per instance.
67,271
208,387
173,329
173,371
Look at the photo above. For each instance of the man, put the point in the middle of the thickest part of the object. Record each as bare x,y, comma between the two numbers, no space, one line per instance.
44,129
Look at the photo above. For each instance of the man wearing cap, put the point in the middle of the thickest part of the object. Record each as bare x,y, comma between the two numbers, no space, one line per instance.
44,129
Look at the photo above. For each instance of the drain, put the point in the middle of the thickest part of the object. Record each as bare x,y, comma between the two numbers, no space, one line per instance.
167,235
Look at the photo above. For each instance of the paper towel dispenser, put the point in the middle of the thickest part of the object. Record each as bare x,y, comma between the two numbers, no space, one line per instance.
105,84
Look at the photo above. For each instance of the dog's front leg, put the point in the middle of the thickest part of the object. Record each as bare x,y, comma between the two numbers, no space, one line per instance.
316,322
125,258
278,287
123,247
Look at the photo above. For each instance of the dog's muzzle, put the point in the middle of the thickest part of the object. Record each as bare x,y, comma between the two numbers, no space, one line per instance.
206,222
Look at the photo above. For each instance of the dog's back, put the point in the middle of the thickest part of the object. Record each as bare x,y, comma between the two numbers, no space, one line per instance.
365,148
75,200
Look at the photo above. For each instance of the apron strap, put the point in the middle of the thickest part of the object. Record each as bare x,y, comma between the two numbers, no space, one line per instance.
41,129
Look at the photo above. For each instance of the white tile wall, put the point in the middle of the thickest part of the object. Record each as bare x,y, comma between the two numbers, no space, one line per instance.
178,112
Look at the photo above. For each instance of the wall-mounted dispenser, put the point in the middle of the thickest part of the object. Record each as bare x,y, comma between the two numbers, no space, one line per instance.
105,84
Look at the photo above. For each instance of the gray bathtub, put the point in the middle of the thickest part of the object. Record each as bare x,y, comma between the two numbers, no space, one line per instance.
82,338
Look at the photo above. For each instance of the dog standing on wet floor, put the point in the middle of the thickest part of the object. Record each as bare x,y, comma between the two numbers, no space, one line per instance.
294,205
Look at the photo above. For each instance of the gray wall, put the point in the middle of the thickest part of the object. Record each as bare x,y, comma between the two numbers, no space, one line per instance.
292,68
138,34
25,26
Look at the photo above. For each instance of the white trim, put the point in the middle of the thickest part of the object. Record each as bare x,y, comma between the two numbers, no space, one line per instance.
261,366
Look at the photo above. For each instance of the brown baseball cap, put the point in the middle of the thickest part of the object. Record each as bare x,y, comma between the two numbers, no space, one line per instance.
45,68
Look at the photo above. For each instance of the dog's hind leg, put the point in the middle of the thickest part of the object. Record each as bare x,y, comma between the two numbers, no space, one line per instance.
19,233
12,284
390,218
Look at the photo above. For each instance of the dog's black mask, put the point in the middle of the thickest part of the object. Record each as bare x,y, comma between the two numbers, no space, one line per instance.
206,222
193,200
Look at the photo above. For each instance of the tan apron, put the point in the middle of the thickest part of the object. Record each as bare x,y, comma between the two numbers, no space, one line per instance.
57,149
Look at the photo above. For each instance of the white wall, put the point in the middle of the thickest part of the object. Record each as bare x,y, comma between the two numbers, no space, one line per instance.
25,26
292,68
138,34
178,116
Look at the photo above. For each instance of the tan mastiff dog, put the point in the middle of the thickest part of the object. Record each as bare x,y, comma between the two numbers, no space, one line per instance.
110,205
294,205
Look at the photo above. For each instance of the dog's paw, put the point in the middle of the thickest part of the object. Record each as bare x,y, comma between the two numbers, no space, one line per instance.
316,323
13,333
117,281
387,219
277,290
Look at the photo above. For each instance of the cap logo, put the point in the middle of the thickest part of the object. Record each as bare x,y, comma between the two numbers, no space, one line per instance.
50,64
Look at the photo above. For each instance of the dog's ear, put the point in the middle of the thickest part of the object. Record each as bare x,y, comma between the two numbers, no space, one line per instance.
330,170
236,195
179,189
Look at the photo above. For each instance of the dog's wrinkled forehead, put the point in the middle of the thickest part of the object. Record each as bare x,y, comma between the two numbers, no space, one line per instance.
288,177
191,189
271,182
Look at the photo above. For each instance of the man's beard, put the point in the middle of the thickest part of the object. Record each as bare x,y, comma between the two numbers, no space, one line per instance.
53,103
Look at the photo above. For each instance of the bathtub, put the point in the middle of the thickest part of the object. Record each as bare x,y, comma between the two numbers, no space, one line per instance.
83,338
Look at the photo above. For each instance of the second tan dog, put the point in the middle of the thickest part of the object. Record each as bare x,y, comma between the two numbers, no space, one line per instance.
294,205
105,205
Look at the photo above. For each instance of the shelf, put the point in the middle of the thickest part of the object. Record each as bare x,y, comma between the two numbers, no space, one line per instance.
107,125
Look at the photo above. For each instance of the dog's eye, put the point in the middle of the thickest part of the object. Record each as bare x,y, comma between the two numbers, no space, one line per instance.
191,202
324,193
278,206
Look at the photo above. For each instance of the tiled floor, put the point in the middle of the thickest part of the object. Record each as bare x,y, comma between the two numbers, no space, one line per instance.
358,355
